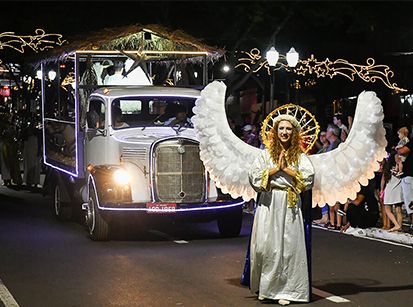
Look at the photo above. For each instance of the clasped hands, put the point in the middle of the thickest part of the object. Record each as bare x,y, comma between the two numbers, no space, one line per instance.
283,166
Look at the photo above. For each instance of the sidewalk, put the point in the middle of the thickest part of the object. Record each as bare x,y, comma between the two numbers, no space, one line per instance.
400,237
376,233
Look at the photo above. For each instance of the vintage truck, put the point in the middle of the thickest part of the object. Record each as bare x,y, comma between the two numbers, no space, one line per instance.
116,150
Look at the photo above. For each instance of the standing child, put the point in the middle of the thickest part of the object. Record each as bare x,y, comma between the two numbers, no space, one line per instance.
402,133
391,194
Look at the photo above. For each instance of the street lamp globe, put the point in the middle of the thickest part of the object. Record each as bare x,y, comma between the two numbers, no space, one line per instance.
39,74
226,68
52,75
272,56
292,57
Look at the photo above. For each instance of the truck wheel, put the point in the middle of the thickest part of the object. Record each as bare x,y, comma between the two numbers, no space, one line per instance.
230,222
62,210
98,227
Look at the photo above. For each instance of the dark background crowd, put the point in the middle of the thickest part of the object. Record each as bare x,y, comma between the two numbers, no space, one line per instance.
20,149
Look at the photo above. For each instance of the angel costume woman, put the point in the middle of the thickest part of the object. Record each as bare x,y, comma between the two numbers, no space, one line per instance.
278,255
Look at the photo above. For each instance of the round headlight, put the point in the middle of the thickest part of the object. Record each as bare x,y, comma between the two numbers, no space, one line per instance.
121,177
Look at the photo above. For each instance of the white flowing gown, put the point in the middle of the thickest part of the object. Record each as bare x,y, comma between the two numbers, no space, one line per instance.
278,254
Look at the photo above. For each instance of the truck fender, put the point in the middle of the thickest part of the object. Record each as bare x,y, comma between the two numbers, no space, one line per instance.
84,193
100,177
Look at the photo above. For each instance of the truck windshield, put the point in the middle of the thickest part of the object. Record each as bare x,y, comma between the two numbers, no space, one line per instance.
130,112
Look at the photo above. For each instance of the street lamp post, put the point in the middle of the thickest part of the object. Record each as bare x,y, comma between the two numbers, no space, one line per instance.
272,57
292,61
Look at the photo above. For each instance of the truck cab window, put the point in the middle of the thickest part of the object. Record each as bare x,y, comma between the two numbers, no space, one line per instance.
126,113
96,115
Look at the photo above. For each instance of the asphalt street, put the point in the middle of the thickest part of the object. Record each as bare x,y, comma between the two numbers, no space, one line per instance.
44,262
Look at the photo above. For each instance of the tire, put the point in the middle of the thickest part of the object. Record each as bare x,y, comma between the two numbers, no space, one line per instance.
62,211
230,222
98,228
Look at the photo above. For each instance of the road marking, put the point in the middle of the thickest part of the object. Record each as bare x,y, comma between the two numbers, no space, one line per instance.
181,242
6,297
329,296
166,236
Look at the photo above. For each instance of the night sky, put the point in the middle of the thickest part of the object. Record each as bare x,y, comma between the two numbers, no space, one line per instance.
351,30
326,28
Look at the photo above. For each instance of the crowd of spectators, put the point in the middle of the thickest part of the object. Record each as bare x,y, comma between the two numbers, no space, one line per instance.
20,151
387,196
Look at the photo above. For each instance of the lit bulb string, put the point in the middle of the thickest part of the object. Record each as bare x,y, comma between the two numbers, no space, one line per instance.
69,79
327,68
254,57
38,42
368,73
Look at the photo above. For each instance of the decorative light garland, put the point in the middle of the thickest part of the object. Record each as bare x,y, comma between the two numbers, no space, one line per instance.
307,83
38,42
253,58
371,72
68,80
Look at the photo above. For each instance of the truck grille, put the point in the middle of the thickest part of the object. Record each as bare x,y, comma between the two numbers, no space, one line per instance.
178,172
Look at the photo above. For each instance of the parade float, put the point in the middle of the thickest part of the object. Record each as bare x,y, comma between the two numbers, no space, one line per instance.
110,139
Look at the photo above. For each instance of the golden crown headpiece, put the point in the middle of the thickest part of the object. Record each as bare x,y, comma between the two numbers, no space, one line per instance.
299,117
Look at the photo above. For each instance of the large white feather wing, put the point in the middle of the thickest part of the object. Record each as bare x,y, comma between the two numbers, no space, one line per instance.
225,156
339,173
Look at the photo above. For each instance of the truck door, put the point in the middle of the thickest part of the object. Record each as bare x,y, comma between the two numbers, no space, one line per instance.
96,132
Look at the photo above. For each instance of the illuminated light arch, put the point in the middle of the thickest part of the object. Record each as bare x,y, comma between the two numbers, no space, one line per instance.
371,72
39,42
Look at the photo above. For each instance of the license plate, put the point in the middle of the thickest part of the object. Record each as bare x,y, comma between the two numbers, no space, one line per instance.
161,208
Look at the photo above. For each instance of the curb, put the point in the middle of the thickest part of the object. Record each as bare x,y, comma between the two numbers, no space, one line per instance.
398,237
374,233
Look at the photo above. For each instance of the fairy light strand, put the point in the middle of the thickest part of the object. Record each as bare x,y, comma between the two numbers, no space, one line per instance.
371,72
39,42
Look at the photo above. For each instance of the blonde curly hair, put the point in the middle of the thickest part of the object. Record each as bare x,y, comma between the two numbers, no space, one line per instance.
293,152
